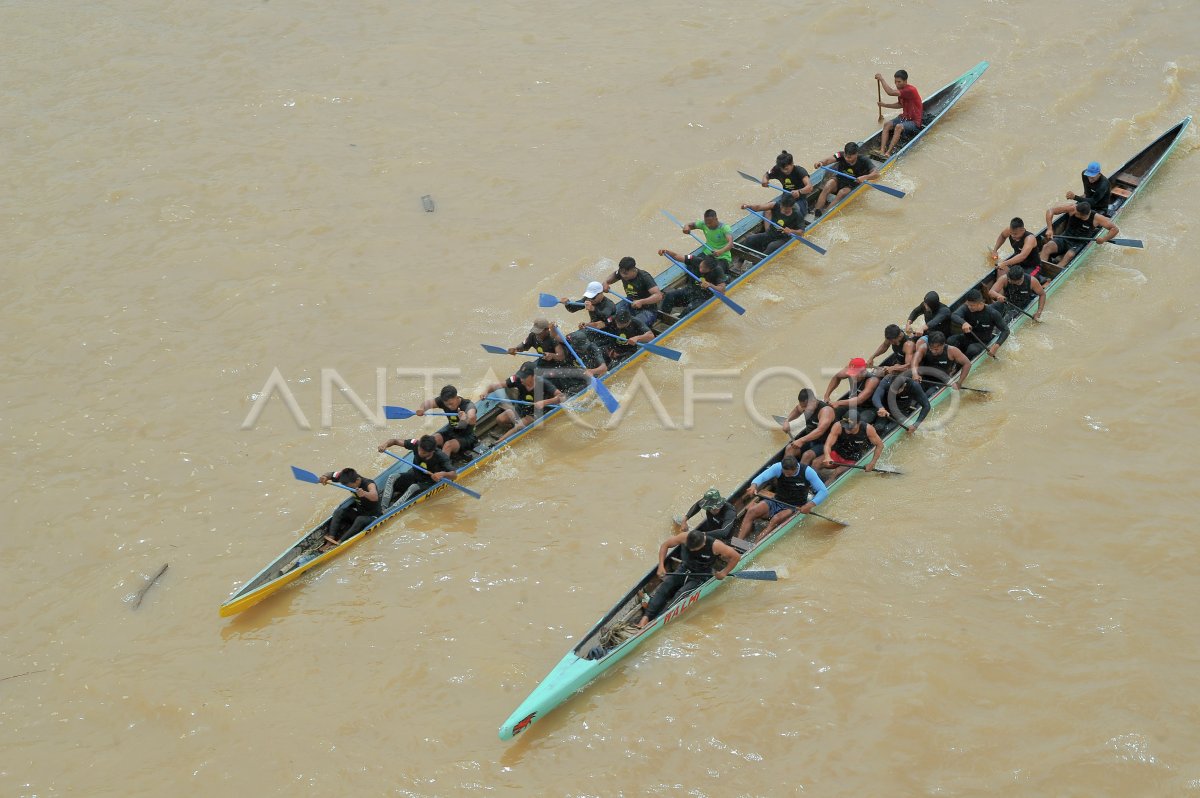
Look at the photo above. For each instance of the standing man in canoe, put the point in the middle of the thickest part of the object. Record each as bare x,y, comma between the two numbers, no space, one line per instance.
541,339
700,553
793,178
848,441
1024,247
634,331
357,512
1097,190
980,326
598,306
1082,225
849,161
425,454
782,212
912,111
792,492
719,516
458,435
529,388
711,274
1016,289
640,287
818,418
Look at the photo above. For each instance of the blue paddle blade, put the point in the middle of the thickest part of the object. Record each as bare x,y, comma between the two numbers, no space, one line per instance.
305,476
662,351
606,397
393,413
815,247
762,576
678,223
735,307
895,192
495,350
757,181
465,490
547,300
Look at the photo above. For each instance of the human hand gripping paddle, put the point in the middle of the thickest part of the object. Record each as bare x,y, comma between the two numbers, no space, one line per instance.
606,397
449,482
735,307
895,192
986,348
801,239
704,244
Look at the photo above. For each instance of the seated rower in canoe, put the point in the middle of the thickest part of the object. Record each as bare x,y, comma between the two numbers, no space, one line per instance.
718,239
570,378
783,212
818,418
792,177
1082,225
849,161
458,435
711,272
863,382
541,339
911,118
640,288
1024,249
979,326
428,456
935,362
897,394
936,315
530,388
719,516
848,441
794,488
598,306
700,554
1097,190
356,513
902,347
1016,288
635,331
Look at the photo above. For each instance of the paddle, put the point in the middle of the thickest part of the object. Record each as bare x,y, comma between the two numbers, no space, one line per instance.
1120,242
810,512
449,482
879,97
757,576
547,300
981,343
976,390
1022,310
801,239
499,350
606,397
308,476
393,413
735,307
878,469
523,402
754,179
937,386
653,349
895,192
704,244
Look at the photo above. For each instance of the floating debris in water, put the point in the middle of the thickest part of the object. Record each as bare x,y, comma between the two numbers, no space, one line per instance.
427,202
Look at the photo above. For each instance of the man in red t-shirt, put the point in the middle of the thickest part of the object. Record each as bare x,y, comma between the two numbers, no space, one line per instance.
912,110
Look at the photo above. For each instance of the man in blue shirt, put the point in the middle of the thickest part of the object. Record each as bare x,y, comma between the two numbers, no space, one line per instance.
793,492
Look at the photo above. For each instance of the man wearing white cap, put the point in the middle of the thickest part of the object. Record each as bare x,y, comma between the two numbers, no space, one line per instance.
1096,189
598,306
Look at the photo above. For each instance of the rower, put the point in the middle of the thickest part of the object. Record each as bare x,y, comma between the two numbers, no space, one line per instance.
719,515
1097,190
978,323
937,315
848,442
711,272
896,395
793,178
700,553
572,379
640,287
1016,288
863,382
1024,247
911,118
527,386
782,212
718,238
598,306
792,492
357,512
934,362
818,418
459,433
543,341
625,323
425,454
851,162
902,350
1082,224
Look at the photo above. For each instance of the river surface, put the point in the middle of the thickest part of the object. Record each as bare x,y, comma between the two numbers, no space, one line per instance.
197,194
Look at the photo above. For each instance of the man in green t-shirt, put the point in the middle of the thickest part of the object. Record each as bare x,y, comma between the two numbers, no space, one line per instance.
717,236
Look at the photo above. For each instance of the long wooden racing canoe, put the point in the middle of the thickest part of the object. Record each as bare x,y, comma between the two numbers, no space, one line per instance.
615,635
304,555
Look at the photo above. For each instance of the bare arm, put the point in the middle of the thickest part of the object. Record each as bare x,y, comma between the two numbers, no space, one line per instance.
874,438
1107,224
732,558
963,362
824,422
834,383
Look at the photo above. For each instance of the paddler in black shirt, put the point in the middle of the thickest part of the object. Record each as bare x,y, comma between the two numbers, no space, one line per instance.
641,289
529,388
1082,224
711,275
572,379
783,213
719,516
934,361
863,382
635,332
793,178
357,512
1097,190
848,441
1024,247
700,553
425,454
818,418
1016,289
978,324
458,435
937,315
598,306
849,161
541,339
902,350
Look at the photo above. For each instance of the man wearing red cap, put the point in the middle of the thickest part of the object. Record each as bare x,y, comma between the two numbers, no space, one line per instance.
862,384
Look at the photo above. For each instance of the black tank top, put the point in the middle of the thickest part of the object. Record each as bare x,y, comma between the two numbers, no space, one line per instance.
1083,228
366,506
458,422
1035,259
701,560
936,367
982,323
853,445
793,490
1019,294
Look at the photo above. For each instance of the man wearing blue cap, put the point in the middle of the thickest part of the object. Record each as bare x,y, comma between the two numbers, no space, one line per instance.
1095,188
